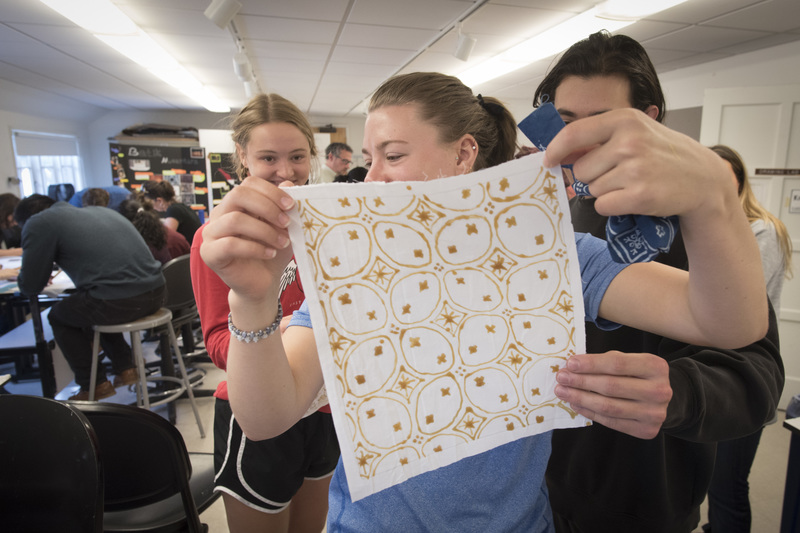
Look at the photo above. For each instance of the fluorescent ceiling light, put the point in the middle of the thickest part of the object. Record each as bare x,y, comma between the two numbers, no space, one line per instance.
106,22
633,9
561,37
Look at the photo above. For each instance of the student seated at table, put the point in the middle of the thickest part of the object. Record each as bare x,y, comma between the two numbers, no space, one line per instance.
10,232
116,279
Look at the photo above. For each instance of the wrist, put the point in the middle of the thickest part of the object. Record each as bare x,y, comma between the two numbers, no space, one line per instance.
248,336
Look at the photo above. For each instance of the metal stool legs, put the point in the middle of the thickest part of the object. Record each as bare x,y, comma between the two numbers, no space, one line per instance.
161,319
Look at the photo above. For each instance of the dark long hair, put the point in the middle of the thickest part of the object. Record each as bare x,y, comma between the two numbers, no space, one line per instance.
603,54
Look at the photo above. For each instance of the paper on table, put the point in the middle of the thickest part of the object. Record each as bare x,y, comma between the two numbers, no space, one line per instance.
442,311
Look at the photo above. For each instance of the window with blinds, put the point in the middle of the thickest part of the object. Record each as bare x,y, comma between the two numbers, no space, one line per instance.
45,159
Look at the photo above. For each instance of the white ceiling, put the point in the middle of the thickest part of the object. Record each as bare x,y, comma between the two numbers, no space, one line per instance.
329,55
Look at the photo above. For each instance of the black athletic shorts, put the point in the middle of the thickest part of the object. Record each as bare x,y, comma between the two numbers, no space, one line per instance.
266,474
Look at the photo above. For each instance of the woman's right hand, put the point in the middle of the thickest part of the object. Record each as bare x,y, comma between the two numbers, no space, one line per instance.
246,241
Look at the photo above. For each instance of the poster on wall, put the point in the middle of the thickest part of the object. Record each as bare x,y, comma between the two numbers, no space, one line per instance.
223,176
184,167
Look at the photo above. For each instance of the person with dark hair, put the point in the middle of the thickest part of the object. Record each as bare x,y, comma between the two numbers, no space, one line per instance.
11,236
177,216
356,175
423,126
338,158
116,194
149,226
646,462
116,281
95,196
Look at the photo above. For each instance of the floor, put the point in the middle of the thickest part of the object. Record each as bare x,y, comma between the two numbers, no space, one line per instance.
766,479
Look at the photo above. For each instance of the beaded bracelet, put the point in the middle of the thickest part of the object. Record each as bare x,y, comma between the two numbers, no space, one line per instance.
255,336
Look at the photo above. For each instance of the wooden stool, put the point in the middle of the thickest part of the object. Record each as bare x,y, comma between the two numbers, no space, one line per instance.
160,319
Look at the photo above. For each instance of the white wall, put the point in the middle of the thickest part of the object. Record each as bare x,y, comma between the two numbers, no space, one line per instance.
779,65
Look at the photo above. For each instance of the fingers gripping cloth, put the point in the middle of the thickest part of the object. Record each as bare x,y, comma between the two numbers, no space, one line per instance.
631,238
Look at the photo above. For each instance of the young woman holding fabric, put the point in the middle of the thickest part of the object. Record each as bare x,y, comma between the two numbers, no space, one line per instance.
729,492
426,125
279,484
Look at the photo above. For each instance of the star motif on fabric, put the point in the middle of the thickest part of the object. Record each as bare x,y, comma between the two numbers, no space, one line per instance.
344,202
344,299
389,233
423,286
499,264
511,222
555,368
551,341
480,381
371,315
335,262
361,379
452,249
466,193
539,239
472,229
441,359
543,274
378,202
563,306
490,328
397,427
381,274
535,392
449,318
445,391
460,281
504,398
521,297
414,342
487,298
407,309
504,184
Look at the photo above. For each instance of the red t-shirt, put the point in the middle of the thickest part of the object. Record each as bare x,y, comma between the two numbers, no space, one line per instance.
211,295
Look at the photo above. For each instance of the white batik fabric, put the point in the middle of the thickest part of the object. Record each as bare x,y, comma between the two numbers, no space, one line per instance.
442,311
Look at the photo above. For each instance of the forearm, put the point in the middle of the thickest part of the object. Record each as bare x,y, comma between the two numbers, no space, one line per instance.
726,292
269,392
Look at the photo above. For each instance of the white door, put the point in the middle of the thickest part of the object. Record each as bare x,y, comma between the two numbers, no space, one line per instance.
763,125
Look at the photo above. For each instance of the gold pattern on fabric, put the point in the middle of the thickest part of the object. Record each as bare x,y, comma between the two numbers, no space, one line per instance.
442,312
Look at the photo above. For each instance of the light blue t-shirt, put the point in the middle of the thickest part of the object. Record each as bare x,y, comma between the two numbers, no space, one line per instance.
502,489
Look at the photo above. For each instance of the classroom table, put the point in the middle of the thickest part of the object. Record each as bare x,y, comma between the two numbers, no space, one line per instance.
60,284
790,519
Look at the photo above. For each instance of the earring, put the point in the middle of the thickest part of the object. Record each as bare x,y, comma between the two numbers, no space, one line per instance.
474,147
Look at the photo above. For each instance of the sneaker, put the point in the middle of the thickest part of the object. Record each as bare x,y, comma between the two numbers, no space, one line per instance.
126,377
102,390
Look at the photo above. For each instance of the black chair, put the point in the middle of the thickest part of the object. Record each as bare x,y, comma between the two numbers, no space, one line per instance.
185,318
152,484
51,476
61,192
180,300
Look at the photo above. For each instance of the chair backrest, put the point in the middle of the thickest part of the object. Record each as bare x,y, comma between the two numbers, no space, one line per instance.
144,459
50,475
179,284
61,192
